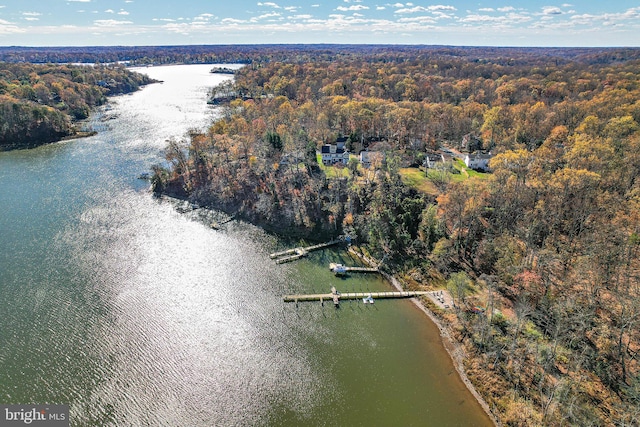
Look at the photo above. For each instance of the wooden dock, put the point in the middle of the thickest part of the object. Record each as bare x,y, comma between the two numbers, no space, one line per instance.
297,253
342,269
216,225
337,296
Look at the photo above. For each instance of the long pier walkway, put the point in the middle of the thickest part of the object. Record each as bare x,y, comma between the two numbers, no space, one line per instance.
297,253
336,296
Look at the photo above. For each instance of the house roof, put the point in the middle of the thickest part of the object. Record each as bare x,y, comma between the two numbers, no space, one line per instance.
326,149
480,156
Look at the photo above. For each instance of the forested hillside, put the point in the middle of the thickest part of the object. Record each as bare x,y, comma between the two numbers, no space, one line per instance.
39,103
542,257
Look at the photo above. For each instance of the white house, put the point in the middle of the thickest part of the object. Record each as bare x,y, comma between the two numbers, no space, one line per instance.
368,158
332,154
431,160
478,161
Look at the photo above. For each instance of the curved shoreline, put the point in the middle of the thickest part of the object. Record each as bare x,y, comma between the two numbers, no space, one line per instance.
454,349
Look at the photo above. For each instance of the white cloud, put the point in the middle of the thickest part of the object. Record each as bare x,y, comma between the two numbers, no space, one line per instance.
31,16
508,20
506,9
440,7
265,16
110,23
418,9
380,8
418,19
123,12
632,15
352,8
486,9
551,10
270,4
202,19
80,1
475,18
7,27
232,21
412,10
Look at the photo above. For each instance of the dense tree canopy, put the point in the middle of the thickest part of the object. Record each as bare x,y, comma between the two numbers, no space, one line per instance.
40,102
548,245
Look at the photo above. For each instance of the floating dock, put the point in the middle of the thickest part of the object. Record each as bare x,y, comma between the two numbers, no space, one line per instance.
297,253
337,296
339,269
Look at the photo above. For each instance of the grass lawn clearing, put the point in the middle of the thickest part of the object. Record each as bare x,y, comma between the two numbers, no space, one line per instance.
332,171
414,177
466,173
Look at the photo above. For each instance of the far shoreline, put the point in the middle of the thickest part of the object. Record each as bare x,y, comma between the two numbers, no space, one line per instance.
72,137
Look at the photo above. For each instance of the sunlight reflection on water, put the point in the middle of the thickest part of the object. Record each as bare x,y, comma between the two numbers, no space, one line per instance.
136,314
182,294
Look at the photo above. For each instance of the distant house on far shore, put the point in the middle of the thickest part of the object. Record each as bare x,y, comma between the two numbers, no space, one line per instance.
479,161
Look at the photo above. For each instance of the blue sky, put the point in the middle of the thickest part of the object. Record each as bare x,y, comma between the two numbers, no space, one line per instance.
483,23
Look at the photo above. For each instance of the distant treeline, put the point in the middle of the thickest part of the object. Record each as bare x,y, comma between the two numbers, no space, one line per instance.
38,103
203,54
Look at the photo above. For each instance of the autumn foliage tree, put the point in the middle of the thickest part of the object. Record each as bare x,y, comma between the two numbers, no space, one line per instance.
548,244
40,102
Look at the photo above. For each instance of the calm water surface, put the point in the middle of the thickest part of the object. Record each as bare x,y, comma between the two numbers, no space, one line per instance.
135,314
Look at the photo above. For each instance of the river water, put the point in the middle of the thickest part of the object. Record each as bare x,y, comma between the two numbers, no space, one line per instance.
136,314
